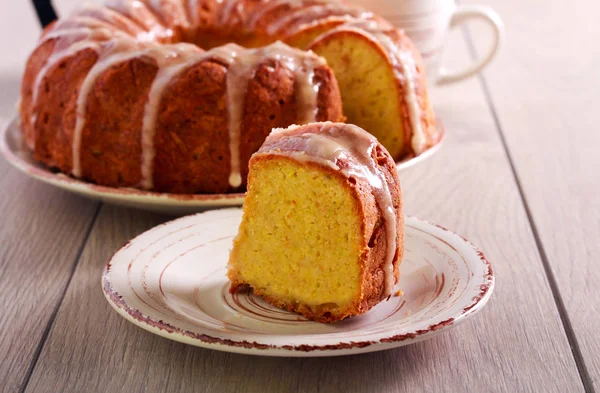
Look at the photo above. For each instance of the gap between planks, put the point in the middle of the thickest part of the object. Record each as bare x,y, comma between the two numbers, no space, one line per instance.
40,346
560,305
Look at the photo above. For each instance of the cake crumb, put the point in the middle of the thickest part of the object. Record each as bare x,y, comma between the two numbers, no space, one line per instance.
398,293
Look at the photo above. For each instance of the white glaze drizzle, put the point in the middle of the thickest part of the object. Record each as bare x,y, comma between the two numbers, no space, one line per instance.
225,54
267,6
404,67
175,9
82,21
301,63
310,14
171,60
68,42
111,16
290,31
228,6
140,12
193,7
116,51
349,149
115,45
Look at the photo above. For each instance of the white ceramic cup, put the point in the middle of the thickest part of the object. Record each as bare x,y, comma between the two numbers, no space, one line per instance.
427,23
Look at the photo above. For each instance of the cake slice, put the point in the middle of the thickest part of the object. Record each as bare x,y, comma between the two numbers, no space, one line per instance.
322,228
382,81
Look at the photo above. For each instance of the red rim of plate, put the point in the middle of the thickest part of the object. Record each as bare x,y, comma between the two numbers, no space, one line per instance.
148,323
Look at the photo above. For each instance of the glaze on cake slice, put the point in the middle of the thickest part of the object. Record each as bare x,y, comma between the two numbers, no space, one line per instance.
322,229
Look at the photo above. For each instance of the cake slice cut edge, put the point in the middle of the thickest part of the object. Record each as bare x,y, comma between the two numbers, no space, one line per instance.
312,239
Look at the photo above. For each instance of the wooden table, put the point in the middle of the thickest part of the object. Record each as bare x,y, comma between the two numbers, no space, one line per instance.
518,175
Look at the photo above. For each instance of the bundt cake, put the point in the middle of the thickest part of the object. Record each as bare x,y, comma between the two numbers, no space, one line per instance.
322,226
123,95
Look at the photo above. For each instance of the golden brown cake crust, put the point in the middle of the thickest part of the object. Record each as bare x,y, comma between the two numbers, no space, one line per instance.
374,239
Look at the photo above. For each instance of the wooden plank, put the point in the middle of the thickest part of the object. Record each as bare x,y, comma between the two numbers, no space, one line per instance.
544,86
516,344
42,232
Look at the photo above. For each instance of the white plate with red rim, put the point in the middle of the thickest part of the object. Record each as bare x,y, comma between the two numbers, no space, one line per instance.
171,281
14,151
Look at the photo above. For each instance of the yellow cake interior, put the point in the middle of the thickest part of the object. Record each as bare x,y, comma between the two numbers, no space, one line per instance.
368,86
300,237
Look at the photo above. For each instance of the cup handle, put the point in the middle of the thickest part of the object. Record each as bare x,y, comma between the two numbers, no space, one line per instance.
461,15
